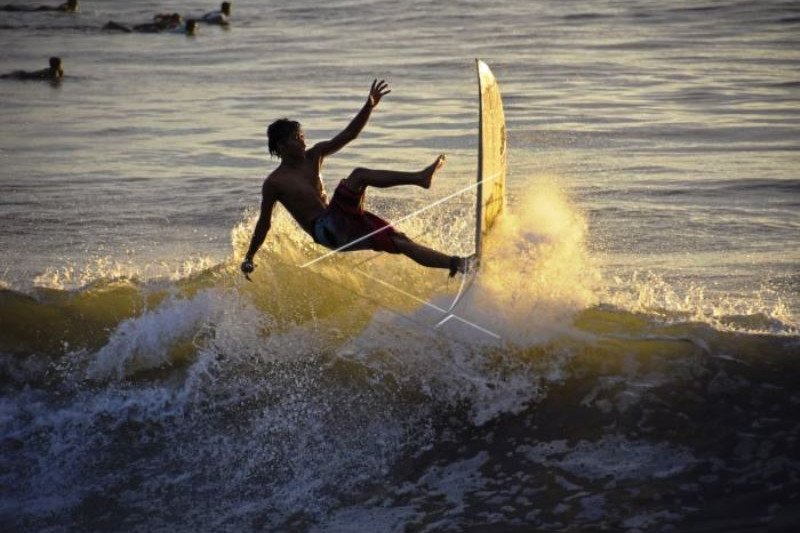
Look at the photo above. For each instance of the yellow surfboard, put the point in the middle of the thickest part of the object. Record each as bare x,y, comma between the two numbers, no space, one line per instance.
492,155
491,177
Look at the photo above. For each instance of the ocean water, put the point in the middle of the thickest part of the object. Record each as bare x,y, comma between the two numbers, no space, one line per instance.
644,282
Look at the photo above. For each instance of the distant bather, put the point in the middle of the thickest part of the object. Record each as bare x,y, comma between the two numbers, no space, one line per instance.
160,23
70,6
218,17
54,73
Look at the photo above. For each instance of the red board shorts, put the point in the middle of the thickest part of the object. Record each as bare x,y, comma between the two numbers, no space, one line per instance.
346,221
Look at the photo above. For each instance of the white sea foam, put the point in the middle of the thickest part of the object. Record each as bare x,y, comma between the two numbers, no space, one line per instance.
612,457
456,480
72,275
650,293
145,341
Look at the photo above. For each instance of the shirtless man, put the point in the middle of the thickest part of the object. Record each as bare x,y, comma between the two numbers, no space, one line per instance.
54,73
297,185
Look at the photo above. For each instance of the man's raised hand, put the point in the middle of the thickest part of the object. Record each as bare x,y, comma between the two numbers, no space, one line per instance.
378,90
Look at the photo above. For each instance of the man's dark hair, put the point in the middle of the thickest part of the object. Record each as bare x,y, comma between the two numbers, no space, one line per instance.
278,131
55,62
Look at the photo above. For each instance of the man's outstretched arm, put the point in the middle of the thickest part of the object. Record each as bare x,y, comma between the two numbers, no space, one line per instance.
378,90
268,199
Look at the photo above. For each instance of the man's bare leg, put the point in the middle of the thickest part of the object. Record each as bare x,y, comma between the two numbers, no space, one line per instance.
421,254
365,177
429,257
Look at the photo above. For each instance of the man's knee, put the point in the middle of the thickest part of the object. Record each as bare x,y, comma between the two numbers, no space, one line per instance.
402,243
357,179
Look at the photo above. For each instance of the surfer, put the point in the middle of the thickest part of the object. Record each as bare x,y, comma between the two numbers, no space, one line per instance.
54,73
296,184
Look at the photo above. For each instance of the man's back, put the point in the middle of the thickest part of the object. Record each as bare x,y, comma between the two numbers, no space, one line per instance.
299,189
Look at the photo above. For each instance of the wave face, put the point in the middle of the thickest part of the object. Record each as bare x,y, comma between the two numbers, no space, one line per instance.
316,399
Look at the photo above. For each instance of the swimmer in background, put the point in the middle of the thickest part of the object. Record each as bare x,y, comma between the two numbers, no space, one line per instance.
70,6
218,17
169,20
160,23
55,73
190,28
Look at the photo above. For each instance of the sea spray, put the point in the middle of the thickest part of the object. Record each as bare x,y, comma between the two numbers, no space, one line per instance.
762,310
536,276
537,273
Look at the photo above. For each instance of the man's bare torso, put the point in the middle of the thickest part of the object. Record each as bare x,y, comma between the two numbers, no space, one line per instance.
299,189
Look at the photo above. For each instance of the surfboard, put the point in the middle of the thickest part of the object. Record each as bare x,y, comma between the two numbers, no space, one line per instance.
492,170
492,156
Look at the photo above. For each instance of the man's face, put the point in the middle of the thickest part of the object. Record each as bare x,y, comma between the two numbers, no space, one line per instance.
295,144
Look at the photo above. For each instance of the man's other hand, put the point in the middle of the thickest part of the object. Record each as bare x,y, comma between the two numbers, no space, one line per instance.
247,268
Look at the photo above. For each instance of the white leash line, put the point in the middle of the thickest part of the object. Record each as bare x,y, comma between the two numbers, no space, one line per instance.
431,305
415,213
426,303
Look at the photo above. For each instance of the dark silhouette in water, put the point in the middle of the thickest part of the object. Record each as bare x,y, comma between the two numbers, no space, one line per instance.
191,27
70,6
54,73
172,21
161,22
218,17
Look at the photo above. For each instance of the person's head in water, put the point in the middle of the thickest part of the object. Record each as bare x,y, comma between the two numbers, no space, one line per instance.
191,26
56,68
285,137
225,8
69,6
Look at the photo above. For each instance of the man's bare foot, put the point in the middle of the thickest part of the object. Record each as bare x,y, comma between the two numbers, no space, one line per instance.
429,171
463,265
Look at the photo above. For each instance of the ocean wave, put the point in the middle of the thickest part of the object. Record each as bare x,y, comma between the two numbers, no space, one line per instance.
293,402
